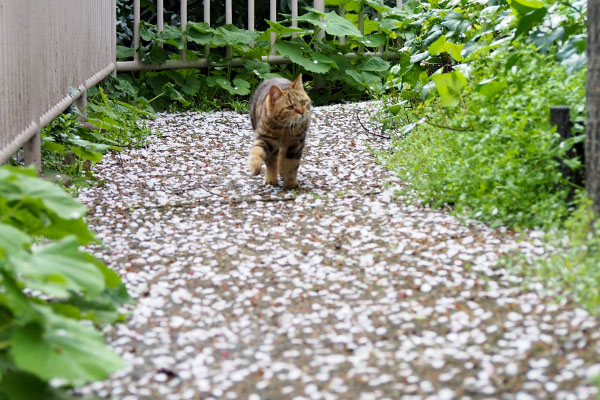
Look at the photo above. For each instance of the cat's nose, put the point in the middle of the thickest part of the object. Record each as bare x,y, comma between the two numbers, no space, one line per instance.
300,110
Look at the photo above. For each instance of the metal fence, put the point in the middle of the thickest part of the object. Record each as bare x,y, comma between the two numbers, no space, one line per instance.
52,52
137,65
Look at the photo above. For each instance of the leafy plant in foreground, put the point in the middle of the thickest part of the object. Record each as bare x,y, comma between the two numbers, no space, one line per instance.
52,293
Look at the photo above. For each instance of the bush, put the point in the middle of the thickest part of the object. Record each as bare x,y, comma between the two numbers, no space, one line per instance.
499,161
51,292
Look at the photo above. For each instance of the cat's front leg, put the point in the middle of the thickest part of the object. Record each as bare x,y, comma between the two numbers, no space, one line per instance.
271,173
289,162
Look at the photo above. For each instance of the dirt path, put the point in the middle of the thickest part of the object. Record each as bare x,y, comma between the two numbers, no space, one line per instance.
339,291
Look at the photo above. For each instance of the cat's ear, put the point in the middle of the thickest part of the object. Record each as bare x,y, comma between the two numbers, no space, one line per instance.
274,93
297,84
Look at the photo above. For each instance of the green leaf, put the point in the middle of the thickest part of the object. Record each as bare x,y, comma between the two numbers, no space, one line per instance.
442,46
419,57
276,27
375,64
200,33
529,20
86,154
156,56
490,87
50,195
124,52
258,67
449,87
63,348
295,52
374,40
332,23
147,31
572,53
59,267
234,35
241,87
438,46
19,385
525,6
12,240
170,90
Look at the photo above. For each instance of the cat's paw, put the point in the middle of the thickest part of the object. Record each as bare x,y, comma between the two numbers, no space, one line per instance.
290,184
254,165
272,181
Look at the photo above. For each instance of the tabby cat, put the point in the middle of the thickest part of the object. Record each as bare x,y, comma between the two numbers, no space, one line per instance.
280,115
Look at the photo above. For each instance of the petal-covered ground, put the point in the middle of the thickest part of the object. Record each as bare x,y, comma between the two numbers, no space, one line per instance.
339,290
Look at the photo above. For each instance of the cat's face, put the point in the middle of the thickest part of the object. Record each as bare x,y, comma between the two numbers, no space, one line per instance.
291,104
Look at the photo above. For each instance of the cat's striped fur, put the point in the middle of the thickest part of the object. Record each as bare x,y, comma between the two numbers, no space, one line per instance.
280,115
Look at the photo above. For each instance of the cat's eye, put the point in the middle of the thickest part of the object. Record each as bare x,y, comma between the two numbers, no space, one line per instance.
290,107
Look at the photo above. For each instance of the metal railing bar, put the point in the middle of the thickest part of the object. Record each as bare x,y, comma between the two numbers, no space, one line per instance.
136,29
273,17
294,16
184,18
251,18
207,20
124,66
228,20
160,17
19,141
320,5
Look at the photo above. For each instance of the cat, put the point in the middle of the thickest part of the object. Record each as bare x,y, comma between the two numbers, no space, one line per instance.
280,116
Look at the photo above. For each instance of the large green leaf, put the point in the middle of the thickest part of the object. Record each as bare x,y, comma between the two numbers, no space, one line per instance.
63,348
58,268
490,87
276,27
375,64
12,240
50,195
442,46
449,87
258,67
331,23
312,61
234,35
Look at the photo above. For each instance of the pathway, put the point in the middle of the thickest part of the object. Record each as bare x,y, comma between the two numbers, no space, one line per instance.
339,291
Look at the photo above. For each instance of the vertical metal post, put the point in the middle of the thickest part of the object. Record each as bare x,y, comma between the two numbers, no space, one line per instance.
294,16
33,151
251,18
207,20
160,17
136,30
114,36
184,18
320,5
228,20
81,104
273,17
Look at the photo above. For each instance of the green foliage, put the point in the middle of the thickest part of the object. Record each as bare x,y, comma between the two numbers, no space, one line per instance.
70,148
49,288
575,263
335,76
470,108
